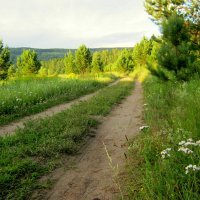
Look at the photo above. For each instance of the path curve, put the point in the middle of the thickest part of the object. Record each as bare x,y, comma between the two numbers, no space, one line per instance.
10,128
93,178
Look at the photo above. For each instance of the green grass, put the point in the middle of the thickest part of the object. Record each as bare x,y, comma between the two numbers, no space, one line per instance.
27,96
32,151
173,113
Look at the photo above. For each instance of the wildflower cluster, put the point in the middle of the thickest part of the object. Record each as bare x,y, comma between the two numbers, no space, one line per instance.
192,168
165,153
185,150
189,142
183,147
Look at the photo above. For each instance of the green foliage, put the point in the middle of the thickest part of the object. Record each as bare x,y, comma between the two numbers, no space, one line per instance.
174,30
69,63
53,67
141,52
162,9
175,53
172,111
125,61
83,59
105,60
11,71
97,63
28,63
4,61
33,151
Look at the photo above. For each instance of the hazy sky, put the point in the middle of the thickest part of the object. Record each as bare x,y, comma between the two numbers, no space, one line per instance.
69,23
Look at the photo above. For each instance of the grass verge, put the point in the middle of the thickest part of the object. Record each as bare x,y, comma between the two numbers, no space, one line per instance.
164,161
32,151
32,95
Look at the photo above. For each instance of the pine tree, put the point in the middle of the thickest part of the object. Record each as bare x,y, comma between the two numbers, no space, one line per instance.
125,61
69,63
83,59
28,63
162,9
175,53
97,64
141,52
4,61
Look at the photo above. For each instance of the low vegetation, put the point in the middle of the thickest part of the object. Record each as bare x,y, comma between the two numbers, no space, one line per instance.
27,96
165,158
36,149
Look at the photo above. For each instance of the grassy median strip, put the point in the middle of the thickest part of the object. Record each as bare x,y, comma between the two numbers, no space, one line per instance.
32,95
31,152
165,159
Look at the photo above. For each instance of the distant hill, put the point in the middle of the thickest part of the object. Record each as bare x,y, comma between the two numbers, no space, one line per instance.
46,54
43,54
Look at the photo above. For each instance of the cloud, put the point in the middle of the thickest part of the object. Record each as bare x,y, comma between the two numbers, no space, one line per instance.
68,23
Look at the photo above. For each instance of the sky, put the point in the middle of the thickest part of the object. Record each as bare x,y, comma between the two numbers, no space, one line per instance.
69,23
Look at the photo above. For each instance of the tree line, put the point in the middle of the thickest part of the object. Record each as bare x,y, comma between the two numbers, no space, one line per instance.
80,62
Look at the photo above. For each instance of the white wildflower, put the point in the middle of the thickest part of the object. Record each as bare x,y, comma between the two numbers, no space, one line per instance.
145,104
181,143
190,143
165,153
185,150
191,167
143,128
198,143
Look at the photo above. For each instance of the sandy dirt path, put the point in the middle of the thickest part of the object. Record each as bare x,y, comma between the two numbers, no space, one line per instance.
11,127
93,178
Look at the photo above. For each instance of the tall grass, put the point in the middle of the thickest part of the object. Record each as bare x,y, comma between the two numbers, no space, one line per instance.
165,160
32,151
26,96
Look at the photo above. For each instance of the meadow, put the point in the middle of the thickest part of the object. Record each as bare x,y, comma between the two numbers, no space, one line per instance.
165,158
38,148
25,96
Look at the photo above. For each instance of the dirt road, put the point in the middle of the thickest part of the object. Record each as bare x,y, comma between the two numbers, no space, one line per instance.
11,127
94,177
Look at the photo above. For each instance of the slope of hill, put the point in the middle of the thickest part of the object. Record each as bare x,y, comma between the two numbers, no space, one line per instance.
46,54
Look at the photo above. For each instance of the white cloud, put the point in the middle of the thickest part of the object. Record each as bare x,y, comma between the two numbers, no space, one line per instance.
68,23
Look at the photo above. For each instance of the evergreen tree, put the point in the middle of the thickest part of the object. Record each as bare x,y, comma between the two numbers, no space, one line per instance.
11,71
4,61
105,57
162,9
175,53
97,64
125,61
28,63
141,52
69,63
188,9
83,59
